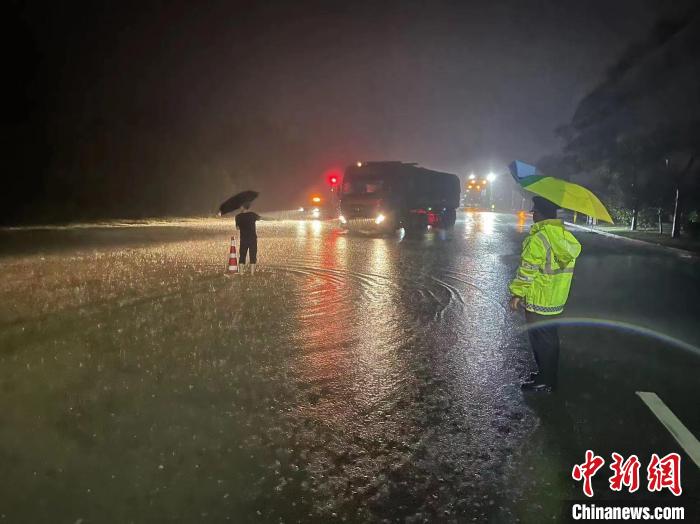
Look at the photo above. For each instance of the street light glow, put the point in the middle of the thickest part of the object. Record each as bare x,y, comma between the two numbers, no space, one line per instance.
491,177
472,176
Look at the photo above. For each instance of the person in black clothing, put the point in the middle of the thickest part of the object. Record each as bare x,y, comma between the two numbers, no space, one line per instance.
245,223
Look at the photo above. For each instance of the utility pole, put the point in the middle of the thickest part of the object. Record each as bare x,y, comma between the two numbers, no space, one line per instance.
678,204
676,227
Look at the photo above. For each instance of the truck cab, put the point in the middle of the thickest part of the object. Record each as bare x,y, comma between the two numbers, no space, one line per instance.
389,195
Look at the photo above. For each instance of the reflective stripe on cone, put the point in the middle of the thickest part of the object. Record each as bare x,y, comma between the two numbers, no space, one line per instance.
233,257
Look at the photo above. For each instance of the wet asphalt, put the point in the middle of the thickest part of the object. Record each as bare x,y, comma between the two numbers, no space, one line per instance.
353,378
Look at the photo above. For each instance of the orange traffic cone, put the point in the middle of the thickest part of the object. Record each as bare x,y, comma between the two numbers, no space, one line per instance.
233,257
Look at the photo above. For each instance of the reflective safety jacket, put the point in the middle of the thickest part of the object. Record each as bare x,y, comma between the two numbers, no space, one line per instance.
546,268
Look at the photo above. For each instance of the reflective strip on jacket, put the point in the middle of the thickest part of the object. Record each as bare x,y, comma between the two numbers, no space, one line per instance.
546,268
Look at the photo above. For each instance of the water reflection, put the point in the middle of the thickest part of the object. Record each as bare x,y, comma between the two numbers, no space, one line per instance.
306,228
377,329
395,340
522,220
347,320
486,223
316,227
470,220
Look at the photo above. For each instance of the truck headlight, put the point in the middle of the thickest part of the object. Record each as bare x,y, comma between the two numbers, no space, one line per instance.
380,218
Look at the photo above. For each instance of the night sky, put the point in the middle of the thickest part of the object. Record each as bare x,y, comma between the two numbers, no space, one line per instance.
153,108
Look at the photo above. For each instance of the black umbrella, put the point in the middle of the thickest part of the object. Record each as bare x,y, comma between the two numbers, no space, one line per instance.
236,201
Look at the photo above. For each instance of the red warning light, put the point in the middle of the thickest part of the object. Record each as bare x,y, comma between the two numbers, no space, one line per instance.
333,177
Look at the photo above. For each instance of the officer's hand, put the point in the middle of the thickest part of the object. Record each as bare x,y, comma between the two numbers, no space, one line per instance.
514,303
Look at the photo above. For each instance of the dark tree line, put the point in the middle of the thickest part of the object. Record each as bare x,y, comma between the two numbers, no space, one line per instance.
636,137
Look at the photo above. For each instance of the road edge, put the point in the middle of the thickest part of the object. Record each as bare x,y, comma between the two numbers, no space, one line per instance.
675,250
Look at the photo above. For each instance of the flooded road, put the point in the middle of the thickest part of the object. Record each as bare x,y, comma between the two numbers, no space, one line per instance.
352,378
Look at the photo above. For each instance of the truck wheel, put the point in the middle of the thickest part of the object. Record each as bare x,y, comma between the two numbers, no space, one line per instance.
415,224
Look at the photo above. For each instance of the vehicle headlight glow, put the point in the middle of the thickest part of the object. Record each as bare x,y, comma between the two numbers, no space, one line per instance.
380,218
316,213
342,219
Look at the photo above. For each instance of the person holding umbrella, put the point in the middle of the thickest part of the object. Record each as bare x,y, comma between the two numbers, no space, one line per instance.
541,286
245,223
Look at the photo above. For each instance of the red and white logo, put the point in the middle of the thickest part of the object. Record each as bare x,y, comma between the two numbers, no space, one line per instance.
662,473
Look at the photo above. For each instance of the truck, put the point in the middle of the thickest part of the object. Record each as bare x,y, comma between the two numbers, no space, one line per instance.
388,195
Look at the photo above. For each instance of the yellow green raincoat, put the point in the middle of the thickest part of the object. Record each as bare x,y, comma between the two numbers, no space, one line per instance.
546,268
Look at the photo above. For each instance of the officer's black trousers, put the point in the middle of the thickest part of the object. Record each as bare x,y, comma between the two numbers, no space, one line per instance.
249,244
544,338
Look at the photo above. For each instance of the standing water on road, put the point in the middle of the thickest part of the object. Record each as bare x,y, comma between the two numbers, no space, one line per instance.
352,377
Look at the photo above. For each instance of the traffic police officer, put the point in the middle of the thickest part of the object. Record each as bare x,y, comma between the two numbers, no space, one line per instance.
541,287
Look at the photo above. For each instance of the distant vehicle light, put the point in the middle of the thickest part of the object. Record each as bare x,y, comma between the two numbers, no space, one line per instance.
380,218
342,219
359,164
472,176
316,212
491,177
301,209
316,199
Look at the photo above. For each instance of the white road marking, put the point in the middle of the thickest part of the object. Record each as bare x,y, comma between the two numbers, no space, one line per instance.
683,436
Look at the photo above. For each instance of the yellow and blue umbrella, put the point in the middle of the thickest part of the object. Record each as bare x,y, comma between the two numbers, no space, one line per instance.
566,195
